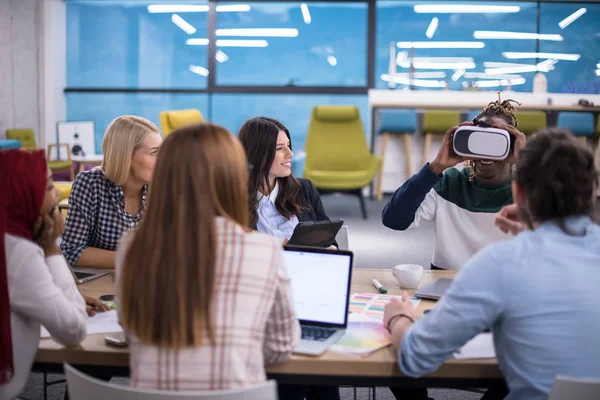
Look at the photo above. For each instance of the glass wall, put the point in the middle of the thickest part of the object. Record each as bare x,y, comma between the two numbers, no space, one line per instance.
579,25
282,58
293,44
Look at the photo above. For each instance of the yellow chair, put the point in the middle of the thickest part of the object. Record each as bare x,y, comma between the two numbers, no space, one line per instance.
337,155
28,142
171,120
64,188
529,122
436,123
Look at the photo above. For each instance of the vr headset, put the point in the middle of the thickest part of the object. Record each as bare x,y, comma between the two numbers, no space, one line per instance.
482,142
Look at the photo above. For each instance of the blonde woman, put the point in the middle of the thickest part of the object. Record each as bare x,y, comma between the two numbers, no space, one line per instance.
106,201
205,302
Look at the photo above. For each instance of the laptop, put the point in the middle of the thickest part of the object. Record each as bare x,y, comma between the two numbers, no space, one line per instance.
434,290
320,281
87,274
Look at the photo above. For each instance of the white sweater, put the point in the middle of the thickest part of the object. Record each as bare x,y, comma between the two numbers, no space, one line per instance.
41,291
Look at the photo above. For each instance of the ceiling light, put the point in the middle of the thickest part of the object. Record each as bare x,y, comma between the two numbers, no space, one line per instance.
183,24
414,82
176,8
305,13
242,43
598,72
496,83
423,75
197,42
332,60
434,65
221,57
556,56
432,27
234,8
463,9
268,32
487,75
184,8
515,35
571,18
441,45
456,76
199,70
544,66
598,65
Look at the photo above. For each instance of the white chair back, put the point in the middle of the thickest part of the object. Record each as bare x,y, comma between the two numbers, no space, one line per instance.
566,388
342,238
83,387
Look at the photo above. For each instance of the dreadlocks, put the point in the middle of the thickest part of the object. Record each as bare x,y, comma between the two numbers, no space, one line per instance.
499,108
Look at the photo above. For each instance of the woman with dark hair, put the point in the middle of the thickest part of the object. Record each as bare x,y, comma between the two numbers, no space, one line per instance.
537,292
277,200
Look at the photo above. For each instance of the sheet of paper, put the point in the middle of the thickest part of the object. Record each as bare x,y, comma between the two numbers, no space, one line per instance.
102,322
372,305
363,336
481,346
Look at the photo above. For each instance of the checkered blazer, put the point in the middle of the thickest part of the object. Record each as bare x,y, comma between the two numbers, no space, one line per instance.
254,320
96,216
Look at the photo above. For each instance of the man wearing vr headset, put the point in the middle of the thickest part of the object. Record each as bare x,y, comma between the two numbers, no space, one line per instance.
461,202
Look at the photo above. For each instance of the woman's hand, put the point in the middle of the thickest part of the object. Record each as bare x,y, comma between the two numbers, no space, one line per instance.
398,305
519,138
446,157
92,305
509,220
47,229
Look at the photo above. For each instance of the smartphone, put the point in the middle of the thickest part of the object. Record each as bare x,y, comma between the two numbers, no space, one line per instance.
113,341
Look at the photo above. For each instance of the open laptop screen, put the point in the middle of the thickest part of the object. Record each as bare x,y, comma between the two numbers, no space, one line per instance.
320,281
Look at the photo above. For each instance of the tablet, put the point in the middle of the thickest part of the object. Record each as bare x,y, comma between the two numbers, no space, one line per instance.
316,234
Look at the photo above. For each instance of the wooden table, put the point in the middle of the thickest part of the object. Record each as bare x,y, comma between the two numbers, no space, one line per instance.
380,368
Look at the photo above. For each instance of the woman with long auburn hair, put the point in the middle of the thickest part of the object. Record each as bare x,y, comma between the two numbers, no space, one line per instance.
205,302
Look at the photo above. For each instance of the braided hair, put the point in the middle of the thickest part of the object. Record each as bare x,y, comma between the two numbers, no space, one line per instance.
499,108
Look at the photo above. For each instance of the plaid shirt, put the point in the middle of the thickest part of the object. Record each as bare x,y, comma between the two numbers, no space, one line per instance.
254,320
96,216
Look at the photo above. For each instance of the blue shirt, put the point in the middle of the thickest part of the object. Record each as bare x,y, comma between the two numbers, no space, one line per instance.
539,294
269,219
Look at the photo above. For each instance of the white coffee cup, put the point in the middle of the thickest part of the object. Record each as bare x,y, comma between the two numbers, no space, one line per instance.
408,275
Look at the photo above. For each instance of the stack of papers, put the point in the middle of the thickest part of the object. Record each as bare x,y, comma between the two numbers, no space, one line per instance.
363,336
102,322
481,346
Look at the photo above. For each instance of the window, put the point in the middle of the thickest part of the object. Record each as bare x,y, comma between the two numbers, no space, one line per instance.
579,26
294,111
102,108
132,45
453,46
292,44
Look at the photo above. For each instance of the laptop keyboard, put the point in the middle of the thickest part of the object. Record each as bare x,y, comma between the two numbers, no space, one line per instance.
317,333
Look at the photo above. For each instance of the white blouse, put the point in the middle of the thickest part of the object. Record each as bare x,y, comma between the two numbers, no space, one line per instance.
42,291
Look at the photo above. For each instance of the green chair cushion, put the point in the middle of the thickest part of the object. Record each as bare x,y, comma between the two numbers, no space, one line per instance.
56,165
336,113
25,136
178,119
529,122
439,121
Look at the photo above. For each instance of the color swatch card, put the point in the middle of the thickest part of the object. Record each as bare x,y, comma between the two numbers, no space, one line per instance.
363,336
372,305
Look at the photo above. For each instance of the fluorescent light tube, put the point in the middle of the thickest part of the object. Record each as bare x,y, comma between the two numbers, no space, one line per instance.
515,35
487,75
305,13
571,18
439,65
251,32
556,56
598,72
196,69
233,8
414,82
463,9
197,42
441,45
422,75
332,60
183,24
496,83
183,8
176,8
221,57
456,76
242,43
433,25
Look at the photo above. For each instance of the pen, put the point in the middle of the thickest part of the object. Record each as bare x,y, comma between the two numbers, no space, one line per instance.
379,286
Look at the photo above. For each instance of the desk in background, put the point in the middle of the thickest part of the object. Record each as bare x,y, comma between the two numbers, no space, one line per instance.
378,369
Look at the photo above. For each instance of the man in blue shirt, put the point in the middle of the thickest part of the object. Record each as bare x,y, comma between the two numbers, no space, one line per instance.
538,292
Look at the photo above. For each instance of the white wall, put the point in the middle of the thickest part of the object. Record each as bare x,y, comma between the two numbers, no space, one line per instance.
32,62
